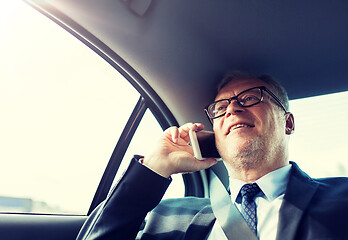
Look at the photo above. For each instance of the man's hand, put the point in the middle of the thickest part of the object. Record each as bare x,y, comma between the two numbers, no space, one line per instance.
173,154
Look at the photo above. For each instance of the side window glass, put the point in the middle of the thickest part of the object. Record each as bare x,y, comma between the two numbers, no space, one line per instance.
63,109
319,144
142,143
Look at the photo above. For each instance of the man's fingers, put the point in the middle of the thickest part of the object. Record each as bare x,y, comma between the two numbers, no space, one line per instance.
174,133
204,164
184,130
192,126
208,162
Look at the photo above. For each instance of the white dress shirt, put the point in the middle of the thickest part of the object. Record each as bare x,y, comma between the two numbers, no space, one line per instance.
268,202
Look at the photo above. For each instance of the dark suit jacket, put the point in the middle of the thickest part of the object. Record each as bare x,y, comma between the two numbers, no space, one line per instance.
312,209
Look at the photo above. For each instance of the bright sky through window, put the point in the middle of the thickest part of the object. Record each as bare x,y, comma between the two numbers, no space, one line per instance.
59,124
319,143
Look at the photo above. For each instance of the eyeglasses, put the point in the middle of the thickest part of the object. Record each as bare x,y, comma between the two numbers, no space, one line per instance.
247,98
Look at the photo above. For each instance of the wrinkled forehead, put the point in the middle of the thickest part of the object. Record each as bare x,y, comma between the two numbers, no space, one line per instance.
237,86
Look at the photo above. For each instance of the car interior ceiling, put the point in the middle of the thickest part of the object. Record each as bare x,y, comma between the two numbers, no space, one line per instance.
191,44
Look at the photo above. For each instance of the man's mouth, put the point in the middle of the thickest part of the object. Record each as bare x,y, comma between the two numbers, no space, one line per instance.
239,125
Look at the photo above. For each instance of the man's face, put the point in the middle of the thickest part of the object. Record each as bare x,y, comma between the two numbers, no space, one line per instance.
252,136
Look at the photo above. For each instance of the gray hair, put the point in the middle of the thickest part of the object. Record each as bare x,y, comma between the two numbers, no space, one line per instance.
275,86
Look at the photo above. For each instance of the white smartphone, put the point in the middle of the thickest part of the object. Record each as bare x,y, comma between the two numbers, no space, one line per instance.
203,144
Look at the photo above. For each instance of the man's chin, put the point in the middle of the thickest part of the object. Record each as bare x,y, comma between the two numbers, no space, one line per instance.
239,148
246,151
243,160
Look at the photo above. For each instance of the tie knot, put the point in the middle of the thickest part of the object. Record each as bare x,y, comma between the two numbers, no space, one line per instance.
249,191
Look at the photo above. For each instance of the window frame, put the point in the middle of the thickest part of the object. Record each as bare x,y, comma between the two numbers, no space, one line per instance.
118,153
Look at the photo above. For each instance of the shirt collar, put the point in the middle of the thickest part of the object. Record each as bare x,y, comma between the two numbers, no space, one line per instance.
272,184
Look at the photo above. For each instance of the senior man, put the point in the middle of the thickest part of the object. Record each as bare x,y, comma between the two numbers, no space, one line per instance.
252,124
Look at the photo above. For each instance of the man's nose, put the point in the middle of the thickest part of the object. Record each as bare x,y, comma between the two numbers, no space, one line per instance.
234,108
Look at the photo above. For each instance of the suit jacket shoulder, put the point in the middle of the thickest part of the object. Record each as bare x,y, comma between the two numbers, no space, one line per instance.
314,208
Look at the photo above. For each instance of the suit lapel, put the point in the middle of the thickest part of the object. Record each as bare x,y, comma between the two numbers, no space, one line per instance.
298,195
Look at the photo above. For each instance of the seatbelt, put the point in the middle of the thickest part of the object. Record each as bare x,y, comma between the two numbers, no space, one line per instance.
226,213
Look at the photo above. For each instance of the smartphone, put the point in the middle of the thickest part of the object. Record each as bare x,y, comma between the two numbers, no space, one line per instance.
203,144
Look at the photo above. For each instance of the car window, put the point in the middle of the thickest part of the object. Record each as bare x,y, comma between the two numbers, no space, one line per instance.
319,142
142,143
63,109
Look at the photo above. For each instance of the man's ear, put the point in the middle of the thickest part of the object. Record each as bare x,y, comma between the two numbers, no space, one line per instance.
289,123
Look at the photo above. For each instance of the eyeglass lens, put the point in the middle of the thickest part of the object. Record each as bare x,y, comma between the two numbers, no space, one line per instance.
247,98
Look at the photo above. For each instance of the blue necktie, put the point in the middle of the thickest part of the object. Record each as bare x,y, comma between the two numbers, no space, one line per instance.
248,192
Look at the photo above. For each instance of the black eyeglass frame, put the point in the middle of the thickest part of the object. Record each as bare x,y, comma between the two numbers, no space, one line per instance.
262,88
